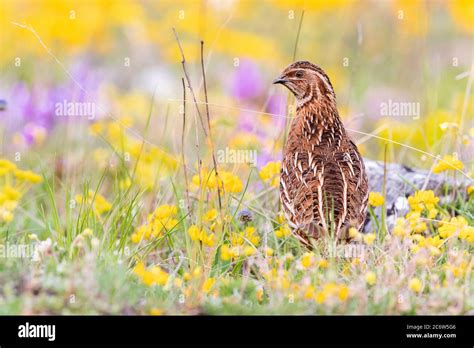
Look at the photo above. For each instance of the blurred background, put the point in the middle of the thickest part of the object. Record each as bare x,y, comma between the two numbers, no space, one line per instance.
113,56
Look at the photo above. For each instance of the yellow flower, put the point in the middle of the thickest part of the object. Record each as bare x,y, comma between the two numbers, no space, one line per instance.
259,294
467,233
99,204
226,180
194,232
28,175
208,284
307,260
211,215
160,277
7,165
226,253
10,194
208,239
141,232
375,199
457,271
165,211
237,239
415,285
231,182
281,218
455,224
416,224
343,293
435,241
320,297
198,234
159,222
96,128
400,229
309,292
135,238
470,189
432,213
154,276
139,269
323,263
195,180
463,14
125,183
355,234
423,200
270,173
249,250
251,236
283,231
370,278
248,235
166,225
369,238
448,163
268,251
156,311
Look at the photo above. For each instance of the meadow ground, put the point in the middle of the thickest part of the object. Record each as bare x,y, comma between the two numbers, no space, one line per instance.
109,199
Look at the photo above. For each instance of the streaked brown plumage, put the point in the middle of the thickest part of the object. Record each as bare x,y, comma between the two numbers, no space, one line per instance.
323,185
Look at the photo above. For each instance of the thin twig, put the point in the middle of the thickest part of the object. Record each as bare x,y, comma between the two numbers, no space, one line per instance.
209,126
298,35
294,58
182,149
384,192
183,63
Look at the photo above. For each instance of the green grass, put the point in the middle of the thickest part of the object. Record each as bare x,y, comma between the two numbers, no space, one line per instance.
93,274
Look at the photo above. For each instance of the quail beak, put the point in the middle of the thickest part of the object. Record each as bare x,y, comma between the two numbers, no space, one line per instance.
280,80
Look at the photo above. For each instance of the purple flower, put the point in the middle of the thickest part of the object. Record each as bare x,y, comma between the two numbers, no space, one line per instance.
31,110
246,82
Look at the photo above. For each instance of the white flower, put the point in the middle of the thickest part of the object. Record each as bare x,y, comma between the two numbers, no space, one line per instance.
42,249
401,203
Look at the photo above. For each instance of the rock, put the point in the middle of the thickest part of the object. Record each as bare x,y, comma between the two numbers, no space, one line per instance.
403,181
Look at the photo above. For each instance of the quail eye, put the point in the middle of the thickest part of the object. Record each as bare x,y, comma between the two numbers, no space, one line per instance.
299,74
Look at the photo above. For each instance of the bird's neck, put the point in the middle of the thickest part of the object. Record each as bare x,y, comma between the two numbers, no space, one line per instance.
319,123
321,111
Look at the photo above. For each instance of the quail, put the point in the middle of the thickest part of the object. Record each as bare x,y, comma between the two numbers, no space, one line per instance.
323,183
